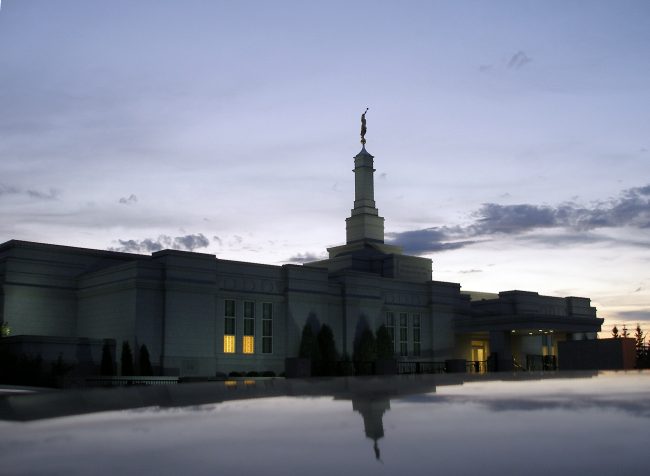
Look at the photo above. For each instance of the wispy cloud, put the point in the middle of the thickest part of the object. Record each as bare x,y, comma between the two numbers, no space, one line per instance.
130,200
639,315
519,60
575,224
149,245
306,257
50,194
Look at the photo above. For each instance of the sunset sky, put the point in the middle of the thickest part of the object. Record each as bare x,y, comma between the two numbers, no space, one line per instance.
511,138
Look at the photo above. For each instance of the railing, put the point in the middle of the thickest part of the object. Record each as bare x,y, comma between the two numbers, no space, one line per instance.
541,362
477,366
105,381
420,367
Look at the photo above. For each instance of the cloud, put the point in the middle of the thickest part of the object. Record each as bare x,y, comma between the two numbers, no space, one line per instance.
430,240
519,60
639,315
130,200
51,194
470,271
306,257
149,245
572,223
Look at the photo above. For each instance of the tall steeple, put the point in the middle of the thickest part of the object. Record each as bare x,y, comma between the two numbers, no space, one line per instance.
364,223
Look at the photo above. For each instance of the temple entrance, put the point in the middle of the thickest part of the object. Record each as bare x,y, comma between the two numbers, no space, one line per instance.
478,363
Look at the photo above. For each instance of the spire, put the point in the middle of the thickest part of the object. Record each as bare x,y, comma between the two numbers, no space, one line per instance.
364,223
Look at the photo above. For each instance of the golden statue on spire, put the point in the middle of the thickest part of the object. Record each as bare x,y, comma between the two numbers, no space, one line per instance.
363,128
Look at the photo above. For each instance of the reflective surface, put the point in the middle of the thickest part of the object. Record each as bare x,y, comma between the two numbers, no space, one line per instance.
596,423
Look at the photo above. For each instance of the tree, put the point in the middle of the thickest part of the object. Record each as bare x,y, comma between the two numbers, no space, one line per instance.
626,333
327,348
306,342
384,344
309,349
127,359
639,341
107,367
145,363
615,333
365,353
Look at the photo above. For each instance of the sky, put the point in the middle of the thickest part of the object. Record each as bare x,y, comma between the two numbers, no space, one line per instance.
511,138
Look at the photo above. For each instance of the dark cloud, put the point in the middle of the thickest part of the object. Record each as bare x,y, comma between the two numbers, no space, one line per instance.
519,60
305,258
149,245
51,194
470,271
639,315
130,200
576,224
430,240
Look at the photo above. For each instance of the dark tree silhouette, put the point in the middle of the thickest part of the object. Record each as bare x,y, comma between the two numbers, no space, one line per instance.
306,342
615,332
309,349
127,359
145,362
641,351
625,333
365,353
384,344
107,367
327,348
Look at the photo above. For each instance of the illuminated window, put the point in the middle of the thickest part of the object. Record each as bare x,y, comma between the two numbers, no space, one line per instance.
249,328
390,326
267,328
249,345
229,326
416,335
229,344
403,333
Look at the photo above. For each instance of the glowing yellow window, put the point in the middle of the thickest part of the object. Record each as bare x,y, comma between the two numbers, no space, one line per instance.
249,345
229,344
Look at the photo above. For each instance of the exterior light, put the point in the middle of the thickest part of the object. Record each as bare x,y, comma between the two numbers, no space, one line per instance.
513,331
540,330
530,333
551,332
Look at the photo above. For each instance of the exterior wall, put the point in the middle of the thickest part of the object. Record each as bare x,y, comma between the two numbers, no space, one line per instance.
597,354
39,285
259,284
447,303
174,302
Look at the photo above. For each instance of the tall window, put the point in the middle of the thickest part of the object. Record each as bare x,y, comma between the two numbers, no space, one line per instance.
249,327
267,328
229,326
390,326
403,333
416,335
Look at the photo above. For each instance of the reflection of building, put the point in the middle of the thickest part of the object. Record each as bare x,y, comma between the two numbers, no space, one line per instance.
199,315
372,411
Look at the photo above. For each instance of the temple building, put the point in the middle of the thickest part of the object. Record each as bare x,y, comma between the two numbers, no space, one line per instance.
199,315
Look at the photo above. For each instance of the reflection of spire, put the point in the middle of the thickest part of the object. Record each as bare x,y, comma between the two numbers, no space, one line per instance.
377,454
372,411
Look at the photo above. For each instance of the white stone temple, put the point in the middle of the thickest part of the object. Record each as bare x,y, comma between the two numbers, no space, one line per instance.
200,315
